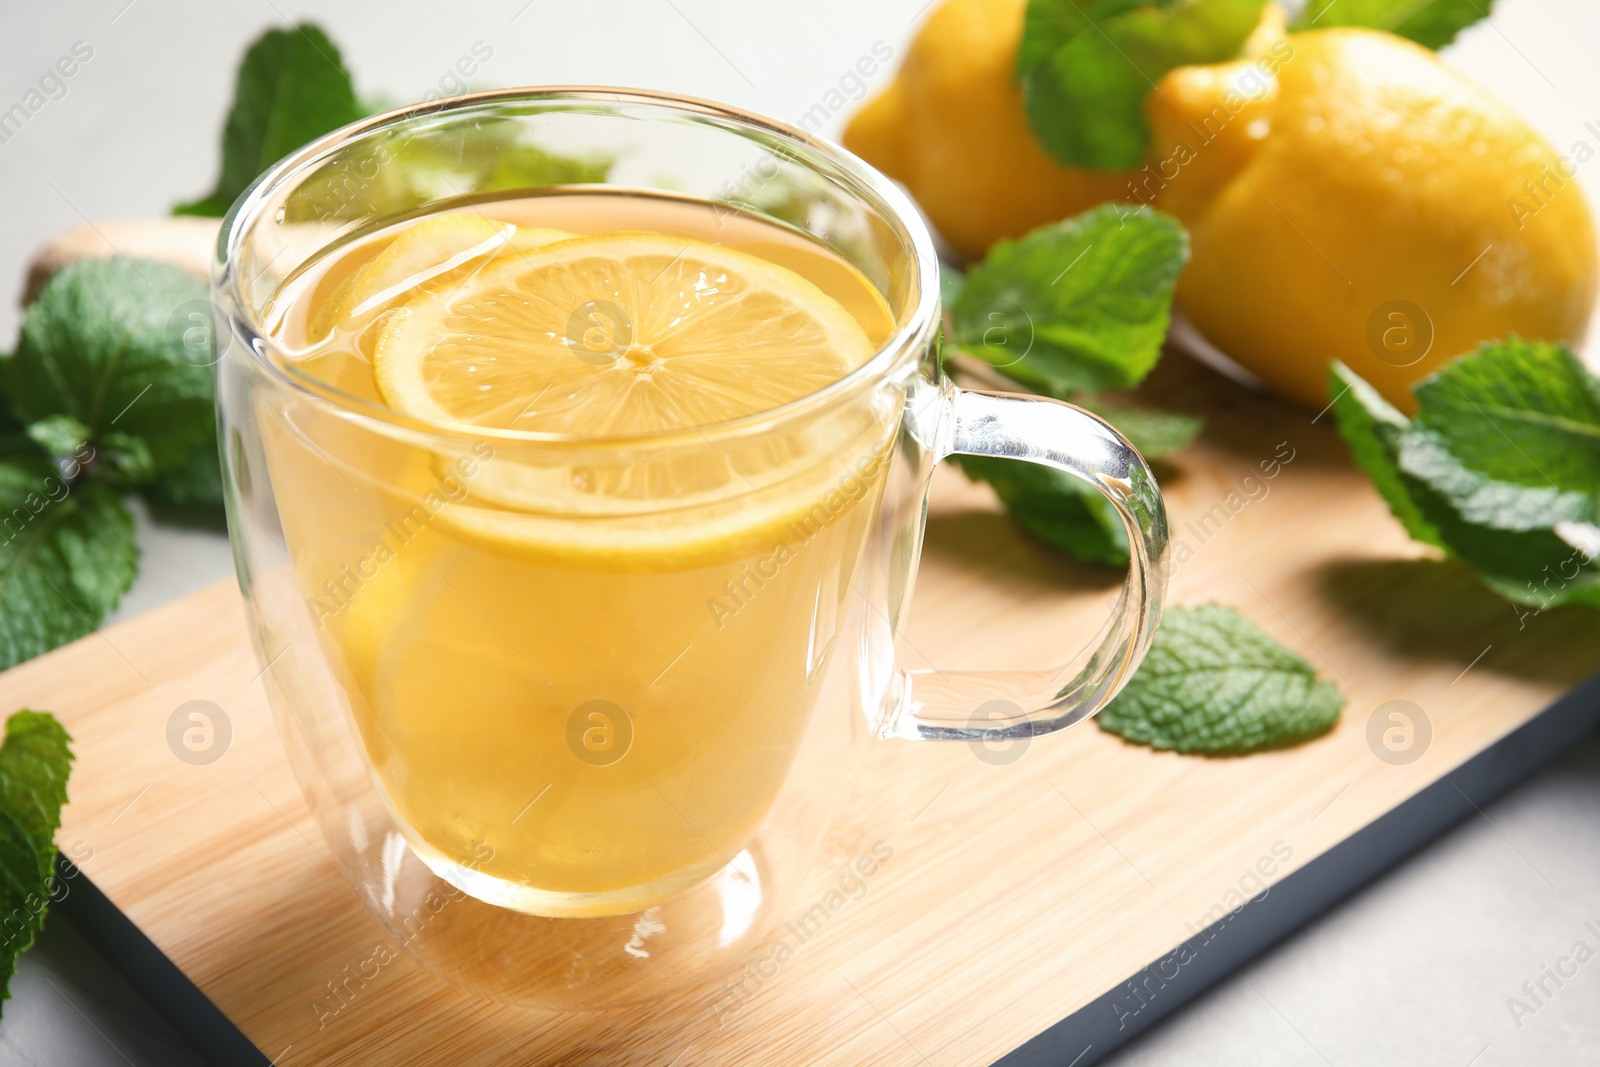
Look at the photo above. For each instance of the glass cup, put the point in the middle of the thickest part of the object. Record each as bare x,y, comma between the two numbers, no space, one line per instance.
581,755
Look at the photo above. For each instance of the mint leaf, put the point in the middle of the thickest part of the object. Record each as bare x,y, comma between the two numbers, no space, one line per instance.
292,88
59,435
1537,568
1525,415
1214,683
531,167
1476,498
35,761
1437,474
196,480
101,358
1062,511
1430,23
1081,304
440,160
1050,25
951,282
67,554
1086,68
1372,427
1055,507
14,438
23,896
1071,308
1155,434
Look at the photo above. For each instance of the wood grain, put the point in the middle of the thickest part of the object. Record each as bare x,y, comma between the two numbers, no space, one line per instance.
1016,892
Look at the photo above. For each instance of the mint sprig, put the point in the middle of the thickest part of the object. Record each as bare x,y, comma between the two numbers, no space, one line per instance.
1085,67
35,761
102,359
292,88
1500,466
1068,310
67,555
104,395
1430,23
1214,683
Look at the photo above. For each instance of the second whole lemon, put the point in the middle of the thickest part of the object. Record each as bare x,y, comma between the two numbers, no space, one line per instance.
952,128
1364,202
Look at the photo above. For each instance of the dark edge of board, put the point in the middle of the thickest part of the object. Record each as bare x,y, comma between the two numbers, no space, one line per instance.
186,1009
1166,984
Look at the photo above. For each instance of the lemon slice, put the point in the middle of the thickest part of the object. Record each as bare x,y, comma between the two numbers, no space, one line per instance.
626,334
631,333
427,250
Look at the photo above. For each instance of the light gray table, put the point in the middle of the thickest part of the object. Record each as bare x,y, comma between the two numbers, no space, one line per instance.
1417,969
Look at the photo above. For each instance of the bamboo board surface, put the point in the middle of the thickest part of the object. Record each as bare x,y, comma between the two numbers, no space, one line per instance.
1017,892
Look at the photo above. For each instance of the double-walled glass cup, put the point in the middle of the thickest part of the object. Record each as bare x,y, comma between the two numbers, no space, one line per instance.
578,749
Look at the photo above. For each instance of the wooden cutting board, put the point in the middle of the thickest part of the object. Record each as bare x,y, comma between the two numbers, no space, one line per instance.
1016,893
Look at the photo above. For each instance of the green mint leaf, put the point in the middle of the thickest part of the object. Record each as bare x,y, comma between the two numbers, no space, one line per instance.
1086,68
1430,23
14,437
35,761
12,432
445,159
1050,25
1478,499
213,205
1074,307
951,282
1055,507
1533,567
1078,305
531,167
24,894
1525,415
103,357
1214,683
59,435
292,88
1372,427
1506,532
1156,434
67,554
196,480
459,156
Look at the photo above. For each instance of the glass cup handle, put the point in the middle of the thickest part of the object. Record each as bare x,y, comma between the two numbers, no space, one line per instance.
1001,705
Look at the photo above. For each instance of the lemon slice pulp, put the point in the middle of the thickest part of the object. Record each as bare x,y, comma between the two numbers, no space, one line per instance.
615,335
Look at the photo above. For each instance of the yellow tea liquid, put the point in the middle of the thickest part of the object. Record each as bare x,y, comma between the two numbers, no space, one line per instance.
580,663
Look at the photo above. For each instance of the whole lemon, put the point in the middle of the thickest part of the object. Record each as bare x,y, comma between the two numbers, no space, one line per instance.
951,127
1349,196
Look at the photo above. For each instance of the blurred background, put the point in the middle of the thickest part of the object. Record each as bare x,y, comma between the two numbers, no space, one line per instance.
1416,969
